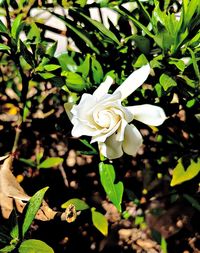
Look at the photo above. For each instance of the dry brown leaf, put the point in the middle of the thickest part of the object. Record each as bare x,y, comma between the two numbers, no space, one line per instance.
10,190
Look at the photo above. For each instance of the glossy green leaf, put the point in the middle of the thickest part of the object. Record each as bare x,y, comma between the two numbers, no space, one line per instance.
31,209
100,222
97,70
167,82
101,28
74,81
16,26
47,75
84,68
50,162
67,62
51,67
114,191
181,174
78,203
35,246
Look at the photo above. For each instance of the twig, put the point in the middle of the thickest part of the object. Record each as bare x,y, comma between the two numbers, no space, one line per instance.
64,175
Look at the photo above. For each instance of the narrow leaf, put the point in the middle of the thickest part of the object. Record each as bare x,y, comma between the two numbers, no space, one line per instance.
50,162
32,208
4,47
114,191
78,32
101,28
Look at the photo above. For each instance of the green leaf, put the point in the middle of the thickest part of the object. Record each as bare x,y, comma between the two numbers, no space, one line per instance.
3,28
178,63
81,2
78,203
51,67
163,245
78,32
195,64
192,201
114,191
181,175
84,68
7,249
4,47
16,26
167,82
101,28
66,62
97,70
100,222
50,162
46,75
26,54
28,162
35,246
141,61
87,144
74,81
31,209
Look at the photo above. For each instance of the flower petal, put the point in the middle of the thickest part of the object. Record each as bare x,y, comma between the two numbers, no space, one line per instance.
111,148
68,107
135,80
148,114
103,87
132,140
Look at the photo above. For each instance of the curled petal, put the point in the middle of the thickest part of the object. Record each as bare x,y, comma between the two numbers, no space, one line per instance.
135,80
103,87
111,148
148,114
132,140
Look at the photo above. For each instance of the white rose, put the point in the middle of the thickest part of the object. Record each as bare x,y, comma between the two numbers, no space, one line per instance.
106,120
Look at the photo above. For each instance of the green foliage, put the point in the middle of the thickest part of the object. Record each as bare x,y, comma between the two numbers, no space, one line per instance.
34,246
32,208
100,222
182,174
37,80
50,162
114,191
78,203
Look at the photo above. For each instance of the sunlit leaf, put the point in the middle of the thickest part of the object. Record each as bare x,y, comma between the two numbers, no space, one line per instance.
50,162
114,191
100,221
31,209
35,246
167,82
78,203
182,174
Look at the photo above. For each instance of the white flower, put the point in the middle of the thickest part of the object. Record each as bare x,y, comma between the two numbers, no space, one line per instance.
106,120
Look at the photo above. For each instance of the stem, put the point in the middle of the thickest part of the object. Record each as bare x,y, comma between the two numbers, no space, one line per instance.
17,135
